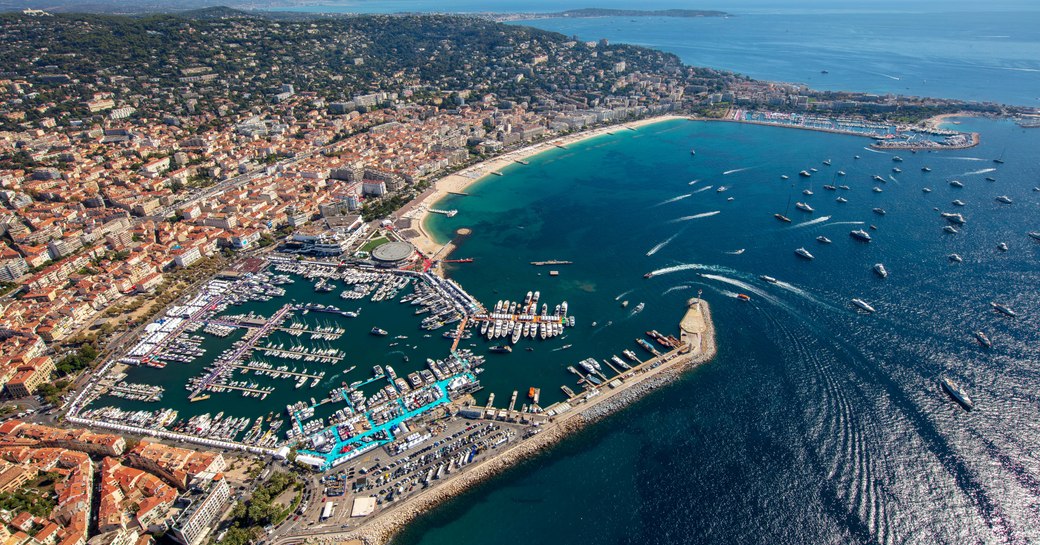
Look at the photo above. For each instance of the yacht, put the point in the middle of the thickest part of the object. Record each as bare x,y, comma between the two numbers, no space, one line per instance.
863,305
823,239
1003,309
953,218
855,156
1004,199
983,339
897,159
860,234
925,169
879,268
803,253
1003,247
876,189
803,207
1035,235
807,192
830,187
782,217
950,229
879,211
841,173
783,176
878,178
927,189
842,199
990,179
957,392
959,202
378,332
721,189
956,258
897,170
845,187
769,279
639,308
804,174
827,162
956,183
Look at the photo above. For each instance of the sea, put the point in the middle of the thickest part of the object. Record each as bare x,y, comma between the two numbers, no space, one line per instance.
816,423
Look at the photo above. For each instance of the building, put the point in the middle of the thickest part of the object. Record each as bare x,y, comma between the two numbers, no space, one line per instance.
176,465
23,433
206,500
30,376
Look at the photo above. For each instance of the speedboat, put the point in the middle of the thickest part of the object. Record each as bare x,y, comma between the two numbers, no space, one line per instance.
1004,199
803,253
721,189
769,279
1003,247
743,297
863,305
956,258
842,199
983,339
950,229
957,392
823,239
956,183
1003,309
879,211
860,234
879,268
803,207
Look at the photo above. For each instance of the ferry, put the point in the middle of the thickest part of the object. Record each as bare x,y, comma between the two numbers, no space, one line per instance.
950,229
823,240
1003,247
803,253
956,258
804,174
500,349
860,234
378,332
743,297
782,217
842,200
804,207
983,339
956,183
1004,199
1003,309
863,305
769,279
957,392
879,211
880,270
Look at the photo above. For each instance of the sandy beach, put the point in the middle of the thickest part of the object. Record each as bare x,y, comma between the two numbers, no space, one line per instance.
459,181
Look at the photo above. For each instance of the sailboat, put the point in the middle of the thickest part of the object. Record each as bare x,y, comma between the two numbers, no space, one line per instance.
1000,160
783,217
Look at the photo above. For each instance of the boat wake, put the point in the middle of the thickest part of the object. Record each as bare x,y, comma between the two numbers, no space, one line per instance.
810,222
736,170
662,244
979,171
693,181
692,267
893,178
804,294
967,158
676,288
705,188
673,199
889,76
846,223
872,150
622,294
744,286
736,252
696,216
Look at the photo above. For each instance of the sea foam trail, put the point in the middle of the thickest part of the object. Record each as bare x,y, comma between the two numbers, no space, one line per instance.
673,199
846,223
693,182
979,171
662,244
736,170
966,158
705,188
872,150
696,216
744,286
804,294
693,266
624,293
675,288
810,222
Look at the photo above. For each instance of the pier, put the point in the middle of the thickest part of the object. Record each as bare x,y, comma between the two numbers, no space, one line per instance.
273,371
297,355
450,213
257,391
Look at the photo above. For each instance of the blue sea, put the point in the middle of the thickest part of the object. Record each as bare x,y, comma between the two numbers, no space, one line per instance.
816,423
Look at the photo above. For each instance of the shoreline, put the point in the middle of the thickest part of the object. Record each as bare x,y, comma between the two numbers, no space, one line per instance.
457,182
699,347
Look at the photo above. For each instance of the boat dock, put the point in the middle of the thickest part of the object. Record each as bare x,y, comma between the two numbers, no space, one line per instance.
450,213
551,262
265,370
216,387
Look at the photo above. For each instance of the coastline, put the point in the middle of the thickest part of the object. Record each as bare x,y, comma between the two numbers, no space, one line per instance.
697,332
458,182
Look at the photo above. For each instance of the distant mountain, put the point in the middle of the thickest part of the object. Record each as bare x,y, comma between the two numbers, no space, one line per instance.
604,12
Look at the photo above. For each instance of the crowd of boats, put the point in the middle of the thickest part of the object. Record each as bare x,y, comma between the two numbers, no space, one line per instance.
517,320
138,392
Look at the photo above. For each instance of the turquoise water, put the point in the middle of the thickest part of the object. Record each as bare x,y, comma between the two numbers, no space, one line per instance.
815,423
